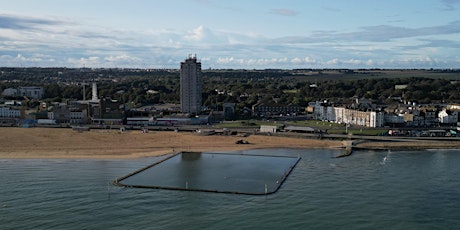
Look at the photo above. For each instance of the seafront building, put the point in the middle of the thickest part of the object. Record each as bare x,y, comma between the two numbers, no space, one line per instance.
9,114
190,86
366,116
264,109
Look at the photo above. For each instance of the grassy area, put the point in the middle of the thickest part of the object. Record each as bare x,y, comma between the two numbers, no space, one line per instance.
246,124
359,131
332,128
317,124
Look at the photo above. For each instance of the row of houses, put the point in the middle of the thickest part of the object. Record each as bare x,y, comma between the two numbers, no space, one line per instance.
263,109
371,115
343,115
361,113
322,111
98,112
73,113
364,113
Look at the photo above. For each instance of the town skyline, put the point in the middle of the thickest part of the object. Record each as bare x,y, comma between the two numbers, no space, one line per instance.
231,35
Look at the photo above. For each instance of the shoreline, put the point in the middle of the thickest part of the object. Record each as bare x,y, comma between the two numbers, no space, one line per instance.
43,143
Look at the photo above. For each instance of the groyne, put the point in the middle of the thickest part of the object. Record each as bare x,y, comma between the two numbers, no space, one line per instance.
348,149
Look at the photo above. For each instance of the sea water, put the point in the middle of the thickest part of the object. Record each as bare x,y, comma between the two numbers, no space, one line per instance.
368,190
215,172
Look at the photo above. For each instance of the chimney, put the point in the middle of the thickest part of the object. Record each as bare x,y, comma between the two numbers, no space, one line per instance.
94,92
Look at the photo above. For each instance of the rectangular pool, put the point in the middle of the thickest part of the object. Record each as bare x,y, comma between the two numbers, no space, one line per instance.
214,172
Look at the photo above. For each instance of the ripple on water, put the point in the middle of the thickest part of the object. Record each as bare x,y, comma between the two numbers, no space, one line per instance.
411,190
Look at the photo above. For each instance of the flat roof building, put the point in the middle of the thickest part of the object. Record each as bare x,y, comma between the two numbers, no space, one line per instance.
190,86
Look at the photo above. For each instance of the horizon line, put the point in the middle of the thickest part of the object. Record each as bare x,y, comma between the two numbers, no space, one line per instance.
259,69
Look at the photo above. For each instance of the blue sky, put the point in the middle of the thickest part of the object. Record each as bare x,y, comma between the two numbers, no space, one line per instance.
246,34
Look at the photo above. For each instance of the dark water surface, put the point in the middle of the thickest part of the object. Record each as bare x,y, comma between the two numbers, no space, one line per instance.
368,190
215,172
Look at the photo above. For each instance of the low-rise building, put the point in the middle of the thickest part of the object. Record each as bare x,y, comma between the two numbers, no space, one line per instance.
266,110
35,92
11,92
268,129
32,92
319,110
78,116
448,117
140,121
59,113
10,114
393,119
362,118
183,120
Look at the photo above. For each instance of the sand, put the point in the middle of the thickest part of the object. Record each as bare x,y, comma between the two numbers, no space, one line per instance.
67,143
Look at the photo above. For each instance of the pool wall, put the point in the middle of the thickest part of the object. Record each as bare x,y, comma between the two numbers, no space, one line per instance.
119,181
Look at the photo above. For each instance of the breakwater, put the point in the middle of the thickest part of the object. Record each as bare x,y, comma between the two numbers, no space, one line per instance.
348,149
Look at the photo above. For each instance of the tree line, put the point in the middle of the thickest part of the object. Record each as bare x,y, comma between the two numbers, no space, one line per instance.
243,87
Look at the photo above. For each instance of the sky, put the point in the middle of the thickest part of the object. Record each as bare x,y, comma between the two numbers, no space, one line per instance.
237,34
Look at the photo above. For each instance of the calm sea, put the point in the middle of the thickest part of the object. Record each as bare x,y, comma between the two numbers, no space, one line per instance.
368,190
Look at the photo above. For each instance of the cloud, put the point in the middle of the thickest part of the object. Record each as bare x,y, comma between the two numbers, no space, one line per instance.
284,12
257,62
434,43
20,23
450,4
33,60
306,60
196,34
122,58
296,62
85,62
44,41
381,33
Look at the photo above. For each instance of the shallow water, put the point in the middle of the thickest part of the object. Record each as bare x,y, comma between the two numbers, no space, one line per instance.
368,190
215,172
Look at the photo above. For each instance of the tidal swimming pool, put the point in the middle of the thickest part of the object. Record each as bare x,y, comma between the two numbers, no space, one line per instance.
214,172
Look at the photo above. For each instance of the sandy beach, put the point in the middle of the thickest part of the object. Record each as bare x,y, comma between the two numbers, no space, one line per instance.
67,143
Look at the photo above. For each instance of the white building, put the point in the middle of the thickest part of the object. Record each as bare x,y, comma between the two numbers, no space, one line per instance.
7,112
268,129
376,119
448,117
190,86
339,113
357,117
